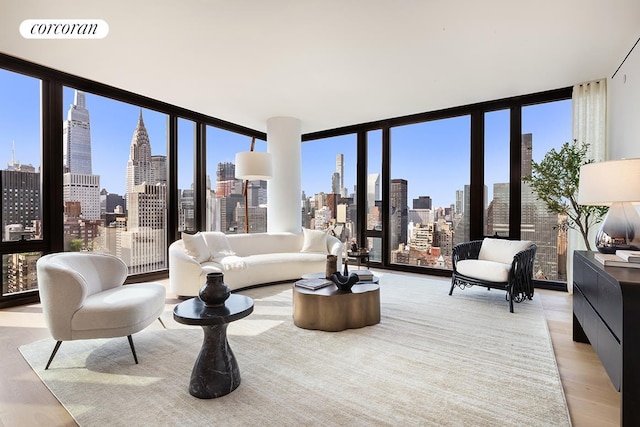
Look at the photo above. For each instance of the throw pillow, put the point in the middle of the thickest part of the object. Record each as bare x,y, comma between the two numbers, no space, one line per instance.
195,246
314,241
218,244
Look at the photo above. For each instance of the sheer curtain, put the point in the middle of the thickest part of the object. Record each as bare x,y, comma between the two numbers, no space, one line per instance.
589,104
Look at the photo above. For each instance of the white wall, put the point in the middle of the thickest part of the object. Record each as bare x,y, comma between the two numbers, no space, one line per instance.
623,115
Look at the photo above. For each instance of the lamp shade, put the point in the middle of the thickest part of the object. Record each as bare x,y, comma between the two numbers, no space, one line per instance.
253,165
605,183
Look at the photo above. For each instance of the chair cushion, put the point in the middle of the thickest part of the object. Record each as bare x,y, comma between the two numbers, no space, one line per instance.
501,250
314,241
196,247
484,270
120,311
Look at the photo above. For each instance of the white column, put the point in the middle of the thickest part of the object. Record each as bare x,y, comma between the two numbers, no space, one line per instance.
284,189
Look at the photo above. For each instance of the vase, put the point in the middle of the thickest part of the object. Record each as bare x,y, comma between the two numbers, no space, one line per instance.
331,267
214,292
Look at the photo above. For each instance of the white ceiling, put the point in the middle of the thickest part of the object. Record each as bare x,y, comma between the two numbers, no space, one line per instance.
332,63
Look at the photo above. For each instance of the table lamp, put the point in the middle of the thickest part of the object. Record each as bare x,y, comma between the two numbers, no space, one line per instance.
614,183
250,166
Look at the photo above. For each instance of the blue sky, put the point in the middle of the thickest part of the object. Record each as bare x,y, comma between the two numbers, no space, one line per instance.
433,157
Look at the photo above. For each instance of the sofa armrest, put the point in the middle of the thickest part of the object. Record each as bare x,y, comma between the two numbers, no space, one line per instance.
334,247
184,271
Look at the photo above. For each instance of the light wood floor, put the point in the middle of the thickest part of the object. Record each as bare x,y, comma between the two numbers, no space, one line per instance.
25,401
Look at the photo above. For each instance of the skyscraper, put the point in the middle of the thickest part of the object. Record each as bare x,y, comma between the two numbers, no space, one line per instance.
76,137
143,244
340,171
399,212
79,184
139,169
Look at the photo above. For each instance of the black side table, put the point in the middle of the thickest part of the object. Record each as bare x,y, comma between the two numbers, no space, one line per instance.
360,257
216,371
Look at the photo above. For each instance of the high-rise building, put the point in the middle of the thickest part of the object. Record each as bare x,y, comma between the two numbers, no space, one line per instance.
399,212
340,172
143,245
139,166
21,203
536,224
373,190
422,202
76,137
335,183
79,184
226,182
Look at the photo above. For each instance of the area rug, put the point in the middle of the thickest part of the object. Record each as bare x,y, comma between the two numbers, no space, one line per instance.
433,360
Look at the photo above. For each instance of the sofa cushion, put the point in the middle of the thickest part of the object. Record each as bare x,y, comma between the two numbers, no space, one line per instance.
484,270
196,247
314,241
218,244
501,250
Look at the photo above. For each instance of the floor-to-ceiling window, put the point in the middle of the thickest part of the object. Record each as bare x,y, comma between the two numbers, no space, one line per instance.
496,200
429,177
225,193
374,225
114,179
545,126
186,175
329,200
20,180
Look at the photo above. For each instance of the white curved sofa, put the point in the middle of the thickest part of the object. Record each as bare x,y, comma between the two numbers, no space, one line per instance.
247,259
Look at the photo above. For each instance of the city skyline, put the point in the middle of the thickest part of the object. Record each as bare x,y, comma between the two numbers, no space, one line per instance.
110,143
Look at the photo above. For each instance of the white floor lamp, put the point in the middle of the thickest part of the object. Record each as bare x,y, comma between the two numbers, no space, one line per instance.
250,166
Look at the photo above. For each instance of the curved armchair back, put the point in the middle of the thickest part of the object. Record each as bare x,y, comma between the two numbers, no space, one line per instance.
66,279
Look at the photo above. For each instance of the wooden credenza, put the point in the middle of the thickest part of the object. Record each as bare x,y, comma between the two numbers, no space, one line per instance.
606,314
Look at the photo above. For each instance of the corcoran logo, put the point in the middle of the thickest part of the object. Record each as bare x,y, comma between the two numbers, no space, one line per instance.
64,29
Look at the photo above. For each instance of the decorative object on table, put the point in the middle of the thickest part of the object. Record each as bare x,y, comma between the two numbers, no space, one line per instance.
354,246
313,284
613,260
214,292
555,181
363,275
364,251
332,265
629,256
615,183
344,283
252,165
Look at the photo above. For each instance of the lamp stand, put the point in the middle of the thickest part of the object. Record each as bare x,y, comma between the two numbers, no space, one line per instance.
619,229
245,193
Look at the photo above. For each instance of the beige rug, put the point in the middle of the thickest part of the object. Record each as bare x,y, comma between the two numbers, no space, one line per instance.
434,360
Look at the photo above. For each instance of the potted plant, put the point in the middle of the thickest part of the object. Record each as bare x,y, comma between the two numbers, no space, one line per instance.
555,181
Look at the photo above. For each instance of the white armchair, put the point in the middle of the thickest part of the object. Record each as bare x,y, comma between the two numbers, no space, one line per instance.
83,297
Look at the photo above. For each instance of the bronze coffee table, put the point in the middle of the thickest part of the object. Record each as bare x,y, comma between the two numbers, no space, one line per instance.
333,310
216,371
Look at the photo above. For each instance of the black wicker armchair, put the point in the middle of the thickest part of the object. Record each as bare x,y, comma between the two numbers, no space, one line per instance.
515,278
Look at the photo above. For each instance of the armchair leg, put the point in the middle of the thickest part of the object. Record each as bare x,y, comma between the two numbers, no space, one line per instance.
161,322
53,354
133,350
452,285
510,302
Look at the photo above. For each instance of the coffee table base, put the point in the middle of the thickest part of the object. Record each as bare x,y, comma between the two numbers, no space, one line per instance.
216,371
332,310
